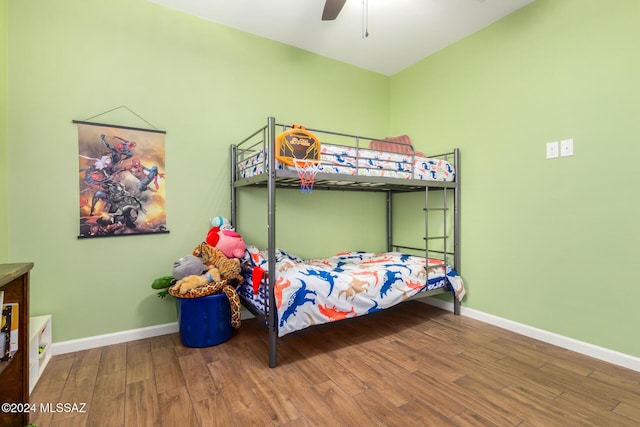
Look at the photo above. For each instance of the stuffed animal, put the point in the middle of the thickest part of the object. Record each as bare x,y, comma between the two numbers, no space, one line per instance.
188,265
229,268
209,284
221,222
228,241
194,281
162,284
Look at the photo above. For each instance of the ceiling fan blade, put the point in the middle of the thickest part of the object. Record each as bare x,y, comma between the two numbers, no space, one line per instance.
332,9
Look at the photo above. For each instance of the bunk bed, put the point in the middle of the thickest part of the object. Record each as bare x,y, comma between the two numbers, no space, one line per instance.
356,163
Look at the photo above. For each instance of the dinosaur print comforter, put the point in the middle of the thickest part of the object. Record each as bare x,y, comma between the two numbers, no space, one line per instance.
347,285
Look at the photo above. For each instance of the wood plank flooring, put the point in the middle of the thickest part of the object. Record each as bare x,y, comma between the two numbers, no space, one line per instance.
413,365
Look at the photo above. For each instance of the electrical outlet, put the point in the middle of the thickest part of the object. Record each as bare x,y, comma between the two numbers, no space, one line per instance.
552,150
566,147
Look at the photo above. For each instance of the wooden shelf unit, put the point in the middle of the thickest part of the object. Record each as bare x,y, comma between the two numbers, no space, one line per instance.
14,373
39,338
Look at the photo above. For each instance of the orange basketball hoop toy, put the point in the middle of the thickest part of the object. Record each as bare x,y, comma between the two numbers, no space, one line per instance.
299,148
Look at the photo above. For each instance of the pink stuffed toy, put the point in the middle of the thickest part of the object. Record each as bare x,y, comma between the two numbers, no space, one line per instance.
228,242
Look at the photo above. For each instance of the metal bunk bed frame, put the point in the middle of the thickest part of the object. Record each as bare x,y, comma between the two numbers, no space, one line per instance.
273,178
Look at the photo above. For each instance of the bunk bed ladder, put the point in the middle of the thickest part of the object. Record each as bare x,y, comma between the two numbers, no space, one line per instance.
446,252
445,234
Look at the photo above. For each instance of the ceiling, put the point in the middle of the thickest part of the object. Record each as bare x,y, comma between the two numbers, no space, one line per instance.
400,32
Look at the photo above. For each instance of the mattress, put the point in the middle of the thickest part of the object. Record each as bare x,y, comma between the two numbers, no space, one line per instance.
349,284
344,160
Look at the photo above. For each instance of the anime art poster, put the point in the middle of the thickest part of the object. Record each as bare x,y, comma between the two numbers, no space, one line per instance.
122,180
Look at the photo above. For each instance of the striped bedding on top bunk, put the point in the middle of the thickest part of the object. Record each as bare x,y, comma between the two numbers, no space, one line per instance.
346,285
339,159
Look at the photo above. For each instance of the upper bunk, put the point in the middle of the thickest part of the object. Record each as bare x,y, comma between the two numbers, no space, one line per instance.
347,162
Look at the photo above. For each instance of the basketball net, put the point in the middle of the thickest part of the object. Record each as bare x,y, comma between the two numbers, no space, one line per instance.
307,171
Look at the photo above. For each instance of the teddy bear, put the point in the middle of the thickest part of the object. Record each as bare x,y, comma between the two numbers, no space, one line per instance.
228,241
193,281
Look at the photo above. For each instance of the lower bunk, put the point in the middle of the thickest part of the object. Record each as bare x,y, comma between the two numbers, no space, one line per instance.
350,284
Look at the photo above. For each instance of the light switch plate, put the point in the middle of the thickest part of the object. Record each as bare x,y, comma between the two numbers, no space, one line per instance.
566,147
552,150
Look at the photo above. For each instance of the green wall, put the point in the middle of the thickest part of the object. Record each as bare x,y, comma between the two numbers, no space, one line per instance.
548,243
208,86
4,227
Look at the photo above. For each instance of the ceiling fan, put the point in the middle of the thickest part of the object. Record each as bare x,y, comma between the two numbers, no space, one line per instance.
332,9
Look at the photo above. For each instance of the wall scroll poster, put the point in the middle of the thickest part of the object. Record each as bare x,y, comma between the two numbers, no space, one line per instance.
121,177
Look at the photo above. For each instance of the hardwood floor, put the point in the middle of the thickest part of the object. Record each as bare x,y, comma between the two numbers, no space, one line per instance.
414,365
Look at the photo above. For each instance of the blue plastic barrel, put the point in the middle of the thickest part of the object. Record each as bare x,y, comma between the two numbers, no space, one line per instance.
204,321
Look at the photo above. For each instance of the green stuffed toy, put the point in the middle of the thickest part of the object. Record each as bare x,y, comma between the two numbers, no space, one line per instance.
163,283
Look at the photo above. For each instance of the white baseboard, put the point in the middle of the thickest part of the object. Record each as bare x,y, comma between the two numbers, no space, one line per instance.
604,354
113,338
120,337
